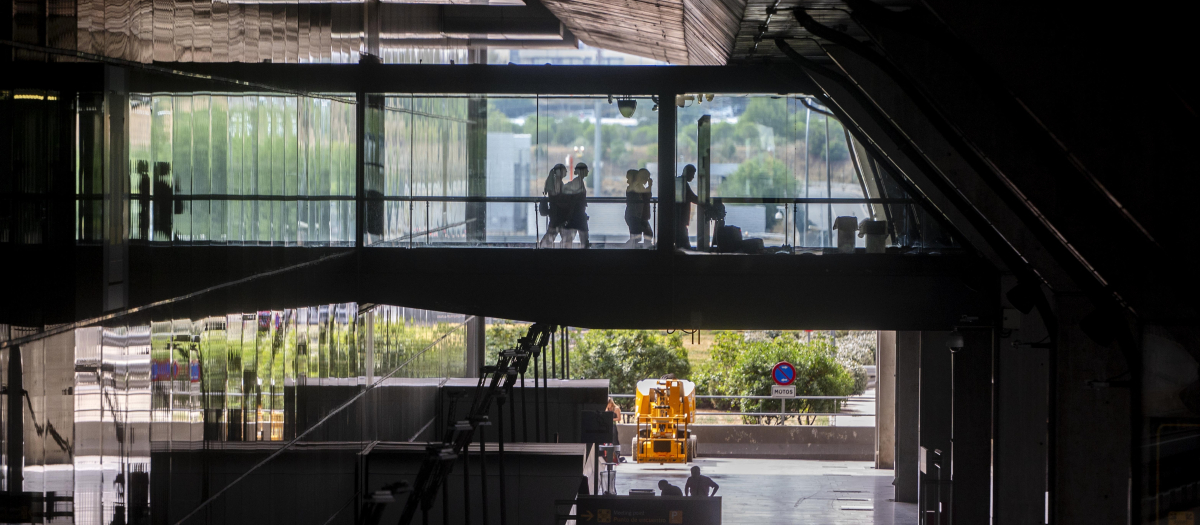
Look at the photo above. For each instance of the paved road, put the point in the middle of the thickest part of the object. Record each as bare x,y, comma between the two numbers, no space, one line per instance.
864,404
789,491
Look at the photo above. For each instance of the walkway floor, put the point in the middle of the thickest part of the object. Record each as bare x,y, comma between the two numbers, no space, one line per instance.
786,491
864,408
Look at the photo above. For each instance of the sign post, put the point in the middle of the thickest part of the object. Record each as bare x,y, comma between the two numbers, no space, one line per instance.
784,375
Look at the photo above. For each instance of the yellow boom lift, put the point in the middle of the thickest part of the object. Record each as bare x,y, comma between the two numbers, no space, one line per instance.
666,409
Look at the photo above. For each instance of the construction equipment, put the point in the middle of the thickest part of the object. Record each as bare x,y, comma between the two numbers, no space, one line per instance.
666,409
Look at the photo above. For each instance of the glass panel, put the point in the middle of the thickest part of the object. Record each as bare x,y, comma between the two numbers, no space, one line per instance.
123,421
241,169
470,170
780,174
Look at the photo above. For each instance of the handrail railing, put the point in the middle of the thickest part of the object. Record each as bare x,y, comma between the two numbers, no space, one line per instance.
622,200
757,397
628,417
807,200
448,198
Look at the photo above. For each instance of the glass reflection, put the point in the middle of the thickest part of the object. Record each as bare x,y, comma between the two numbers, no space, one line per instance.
470,170
99,403
782,170
241,169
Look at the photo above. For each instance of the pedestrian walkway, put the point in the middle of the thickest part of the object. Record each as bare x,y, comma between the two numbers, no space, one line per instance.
863,408
789,491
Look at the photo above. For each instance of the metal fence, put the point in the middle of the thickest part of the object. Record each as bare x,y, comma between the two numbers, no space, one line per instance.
628,417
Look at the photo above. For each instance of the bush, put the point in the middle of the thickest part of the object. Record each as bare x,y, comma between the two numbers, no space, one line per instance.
625,357
502,335
741,366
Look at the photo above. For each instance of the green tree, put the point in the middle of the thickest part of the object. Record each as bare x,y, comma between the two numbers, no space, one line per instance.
502,335
497,121
768,111
761,176
742,367
643,135
625,357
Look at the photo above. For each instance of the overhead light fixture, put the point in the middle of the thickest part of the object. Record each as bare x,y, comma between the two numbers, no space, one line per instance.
681,100
627,107
655,99
709,97
610,99
954,340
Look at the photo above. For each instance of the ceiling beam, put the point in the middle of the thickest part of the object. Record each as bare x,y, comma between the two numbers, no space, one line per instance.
510,79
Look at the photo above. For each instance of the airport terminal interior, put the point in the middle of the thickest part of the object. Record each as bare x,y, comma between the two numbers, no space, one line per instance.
598,261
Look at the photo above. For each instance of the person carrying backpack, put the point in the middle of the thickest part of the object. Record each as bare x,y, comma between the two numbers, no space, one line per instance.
553,206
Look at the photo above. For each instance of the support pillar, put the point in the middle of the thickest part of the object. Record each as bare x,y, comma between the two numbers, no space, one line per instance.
885,400
935,489
15,435
116,189
373,207
370,365
971,430
476,345
703,180
1022,409
908,415
666,173
477,146
1092,475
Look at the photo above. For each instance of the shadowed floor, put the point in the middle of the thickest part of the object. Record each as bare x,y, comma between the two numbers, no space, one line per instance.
773,491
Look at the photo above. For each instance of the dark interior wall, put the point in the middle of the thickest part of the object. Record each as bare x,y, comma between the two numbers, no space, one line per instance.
1022,404
861,291
561,416
1092,448
972,426
935,423
535,476
295,487
318,484
1059,63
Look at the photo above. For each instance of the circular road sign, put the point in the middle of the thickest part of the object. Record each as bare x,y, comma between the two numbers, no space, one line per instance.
784,373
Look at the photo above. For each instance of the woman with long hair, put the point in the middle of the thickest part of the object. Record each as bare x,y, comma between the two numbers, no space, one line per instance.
637,207
615,410
554,207
575,194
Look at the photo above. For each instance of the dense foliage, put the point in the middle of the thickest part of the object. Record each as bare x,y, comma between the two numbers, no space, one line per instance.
625,357
502,335
741,366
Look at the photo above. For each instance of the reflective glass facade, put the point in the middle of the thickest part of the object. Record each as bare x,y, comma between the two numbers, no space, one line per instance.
785,169
463,170
453,170
100,402
241,169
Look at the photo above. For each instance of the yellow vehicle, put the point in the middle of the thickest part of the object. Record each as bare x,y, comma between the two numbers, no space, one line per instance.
666,409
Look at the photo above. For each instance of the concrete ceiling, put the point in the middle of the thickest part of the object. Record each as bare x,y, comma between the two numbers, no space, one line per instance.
680,32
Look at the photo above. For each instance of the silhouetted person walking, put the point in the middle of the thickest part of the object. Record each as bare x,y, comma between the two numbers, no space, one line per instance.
555,209
577,219
668,489
683,217
698,485
637,206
